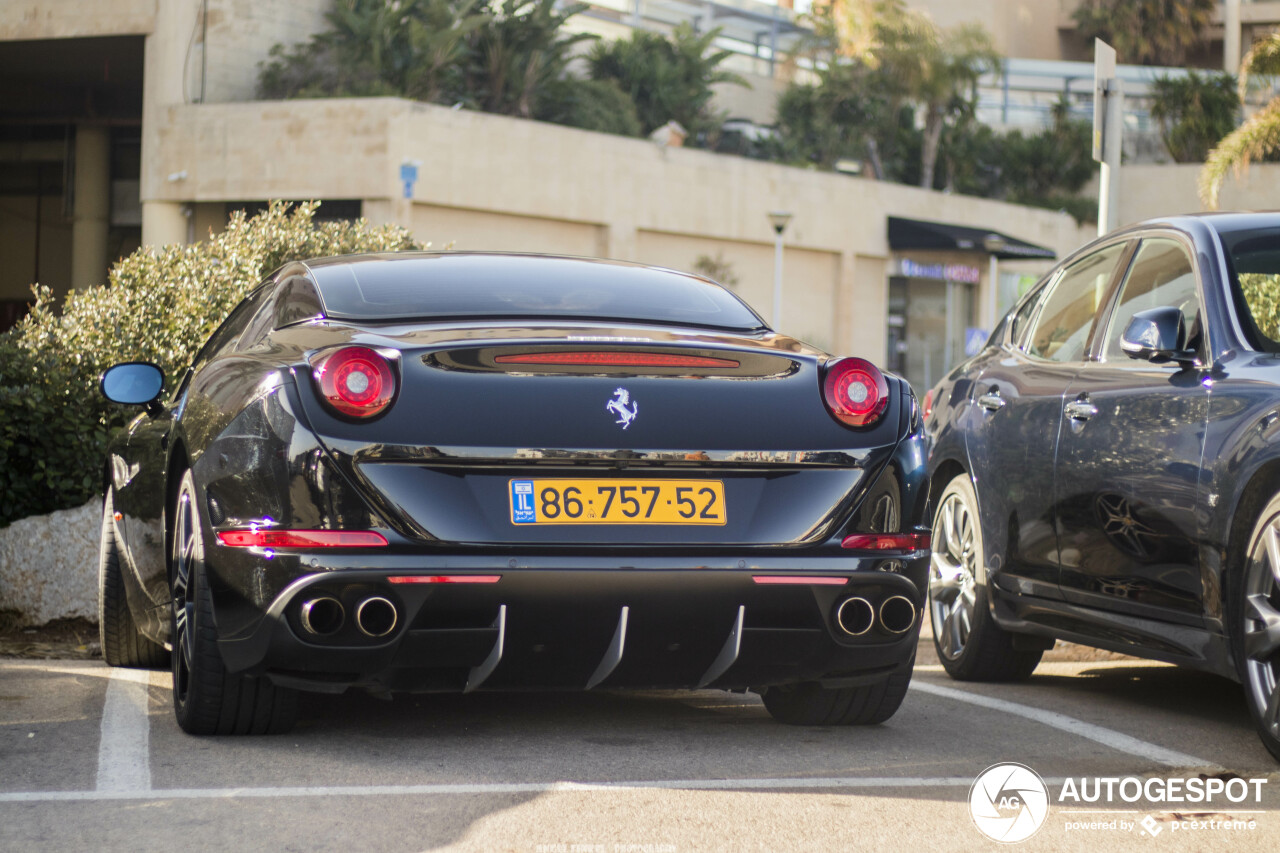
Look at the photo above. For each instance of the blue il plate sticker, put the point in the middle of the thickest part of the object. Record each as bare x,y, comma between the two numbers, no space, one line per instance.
522,502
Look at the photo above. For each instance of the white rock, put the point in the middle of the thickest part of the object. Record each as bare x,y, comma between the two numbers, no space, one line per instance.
49,565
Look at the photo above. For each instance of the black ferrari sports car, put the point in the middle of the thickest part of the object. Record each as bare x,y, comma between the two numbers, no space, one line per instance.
450,472
1107,469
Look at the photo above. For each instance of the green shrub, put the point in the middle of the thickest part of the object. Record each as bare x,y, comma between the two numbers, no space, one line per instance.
667,77
159,305
598,105
1194,112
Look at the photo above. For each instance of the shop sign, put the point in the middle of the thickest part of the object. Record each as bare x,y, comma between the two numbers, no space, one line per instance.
945,272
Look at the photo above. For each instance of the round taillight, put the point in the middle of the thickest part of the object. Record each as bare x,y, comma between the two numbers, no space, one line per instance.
855,391
355,381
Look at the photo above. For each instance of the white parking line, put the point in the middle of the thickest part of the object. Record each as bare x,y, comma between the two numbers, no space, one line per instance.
847,782
1107,737
124,771
124,751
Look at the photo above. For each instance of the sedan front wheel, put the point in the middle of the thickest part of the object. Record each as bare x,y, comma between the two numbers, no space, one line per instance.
1257,634
971,646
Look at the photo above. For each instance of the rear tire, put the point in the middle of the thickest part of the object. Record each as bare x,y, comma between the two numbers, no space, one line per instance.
122,643
1255,625
208,700
811,704
971,646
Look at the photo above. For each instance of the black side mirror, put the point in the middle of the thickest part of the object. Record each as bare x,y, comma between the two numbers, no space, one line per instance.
1157,335
134,383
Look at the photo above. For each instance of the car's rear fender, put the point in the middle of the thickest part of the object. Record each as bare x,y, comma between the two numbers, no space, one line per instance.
267,470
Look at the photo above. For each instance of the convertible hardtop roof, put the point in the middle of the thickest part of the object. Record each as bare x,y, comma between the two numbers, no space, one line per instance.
419,285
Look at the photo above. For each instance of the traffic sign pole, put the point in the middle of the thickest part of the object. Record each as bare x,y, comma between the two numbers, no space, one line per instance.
1108,133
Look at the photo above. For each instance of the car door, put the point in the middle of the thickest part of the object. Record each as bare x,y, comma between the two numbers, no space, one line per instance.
1126,484
1019,398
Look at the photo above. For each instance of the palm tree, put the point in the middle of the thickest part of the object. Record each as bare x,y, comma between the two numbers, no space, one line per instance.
937,70
932,69
1146,32
1257,137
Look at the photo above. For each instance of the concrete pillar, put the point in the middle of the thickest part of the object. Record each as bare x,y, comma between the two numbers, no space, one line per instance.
92,205
163,222
1231,36
164,218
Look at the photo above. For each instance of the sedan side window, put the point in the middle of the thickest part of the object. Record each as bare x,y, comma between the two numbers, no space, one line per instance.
1161,275
1061,332
1018,321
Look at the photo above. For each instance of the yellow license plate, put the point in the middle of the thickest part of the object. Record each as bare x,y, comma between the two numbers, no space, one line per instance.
617,501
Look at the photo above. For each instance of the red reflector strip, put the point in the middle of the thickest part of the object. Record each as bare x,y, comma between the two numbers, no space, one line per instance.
887,541
301,538
799,580
445,579
617,359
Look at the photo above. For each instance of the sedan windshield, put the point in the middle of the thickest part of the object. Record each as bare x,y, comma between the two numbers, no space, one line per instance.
1255,259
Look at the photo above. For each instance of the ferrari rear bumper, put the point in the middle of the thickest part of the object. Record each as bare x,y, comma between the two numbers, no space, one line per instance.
837,621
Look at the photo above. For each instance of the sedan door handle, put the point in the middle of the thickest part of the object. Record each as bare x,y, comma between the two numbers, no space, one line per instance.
992,401
1081,410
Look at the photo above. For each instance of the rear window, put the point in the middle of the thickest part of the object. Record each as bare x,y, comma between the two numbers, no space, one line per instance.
484,286
1255,260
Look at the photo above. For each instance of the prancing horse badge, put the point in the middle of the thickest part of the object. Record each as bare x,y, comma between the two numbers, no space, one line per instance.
618,405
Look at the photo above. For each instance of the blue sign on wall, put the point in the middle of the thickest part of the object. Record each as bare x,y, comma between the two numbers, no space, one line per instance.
409,177
975,339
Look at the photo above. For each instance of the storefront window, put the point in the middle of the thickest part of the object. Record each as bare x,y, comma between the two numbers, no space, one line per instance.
929,320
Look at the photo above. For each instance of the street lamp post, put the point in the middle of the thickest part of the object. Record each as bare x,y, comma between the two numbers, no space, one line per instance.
778,219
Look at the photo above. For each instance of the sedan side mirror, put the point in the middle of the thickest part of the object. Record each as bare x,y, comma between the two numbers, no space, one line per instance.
1157,335
134,383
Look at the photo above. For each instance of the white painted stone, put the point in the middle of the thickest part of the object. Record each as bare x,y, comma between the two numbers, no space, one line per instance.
49,565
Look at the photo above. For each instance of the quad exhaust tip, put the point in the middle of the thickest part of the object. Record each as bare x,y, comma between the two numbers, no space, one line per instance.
855,616
322,617
897,614
376,617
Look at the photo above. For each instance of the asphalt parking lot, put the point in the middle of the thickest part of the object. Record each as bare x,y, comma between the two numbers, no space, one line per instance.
93,760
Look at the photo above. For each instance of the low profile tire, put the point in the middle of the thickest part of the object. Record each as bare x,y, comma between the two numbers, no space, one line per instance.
1256,625
122,643
811,704
971,646
208,700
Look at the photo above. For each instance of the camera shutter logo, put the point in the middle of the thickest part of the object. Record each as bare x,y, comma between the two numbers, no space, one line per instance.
1008,802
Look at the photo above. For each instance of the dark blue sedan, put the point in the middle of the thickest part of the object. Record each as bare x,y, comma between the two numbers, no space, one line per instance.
1107,470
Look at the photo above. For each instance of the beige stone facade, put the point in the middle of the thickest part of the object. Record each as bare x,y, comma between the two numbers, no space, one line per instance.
489,182
486,182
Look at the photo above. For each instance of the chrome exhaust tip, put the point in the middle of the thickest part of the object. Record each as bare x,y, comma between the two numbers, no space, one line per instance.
897,614
376,617
322,617
855,616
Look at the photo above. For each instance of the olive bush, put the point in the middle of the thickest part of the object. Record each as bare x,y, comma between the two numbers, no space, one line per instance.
159,305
